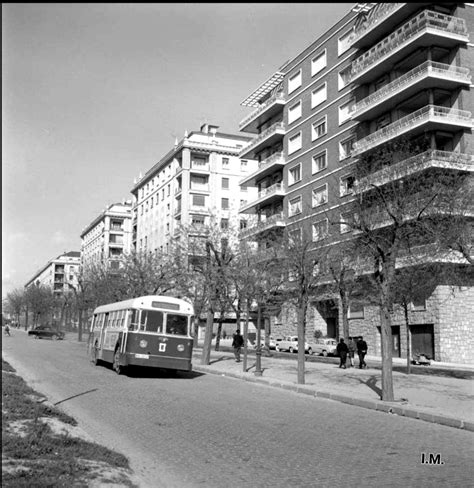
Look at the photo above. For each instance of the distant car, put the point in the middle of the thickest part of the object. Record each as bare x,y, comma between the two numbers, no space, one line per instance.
290,343
46,331
274,341
326,347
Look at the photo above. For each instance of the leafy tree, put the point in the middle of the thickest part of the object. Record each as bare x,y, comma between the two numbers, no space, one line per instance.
16,303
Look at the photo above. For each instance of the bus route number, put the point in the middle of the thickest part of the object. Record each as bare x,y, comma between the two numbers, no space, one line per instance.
162,347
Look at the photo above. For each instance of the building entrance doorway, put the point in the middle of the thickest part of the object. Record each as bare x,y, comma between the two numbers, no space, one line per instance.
422,340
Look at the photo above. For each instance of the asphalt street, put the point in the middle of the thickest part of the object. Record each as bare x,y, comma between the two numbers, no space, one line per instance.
191,430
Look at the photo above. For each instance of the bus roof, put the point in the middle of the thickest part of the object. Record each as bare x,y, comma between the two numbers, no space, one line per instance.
149,302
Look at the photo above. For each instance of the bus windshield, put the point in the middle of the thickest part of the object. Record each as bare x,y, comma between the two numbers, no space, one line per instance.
176,324
151,321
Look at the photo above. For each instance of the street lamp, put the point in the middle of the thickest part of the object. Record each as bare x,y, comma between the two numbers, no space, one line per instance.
258,352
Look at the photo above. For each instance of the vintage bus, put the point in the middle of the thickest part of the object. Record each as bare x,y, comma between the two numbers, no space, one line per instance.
153,331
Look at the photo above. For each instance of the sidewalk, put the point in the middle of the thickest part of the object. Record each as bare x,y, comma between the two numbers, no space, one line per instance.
443,394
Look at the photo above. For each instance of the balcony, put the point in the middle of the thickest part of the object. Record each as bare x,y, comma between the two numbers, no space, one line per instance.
416,164
267,166
266,110
267,195
427,75
427,29
426,118
380,18
268,137
272,222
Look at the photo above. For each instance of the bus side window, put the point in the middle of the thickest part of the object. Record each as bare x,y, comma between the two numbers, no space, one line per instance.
142,320
133,320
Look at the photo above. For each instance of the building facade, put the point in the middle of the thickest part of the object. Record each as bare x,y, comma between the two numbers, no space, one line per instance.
196,184
58,273
383,72
108,237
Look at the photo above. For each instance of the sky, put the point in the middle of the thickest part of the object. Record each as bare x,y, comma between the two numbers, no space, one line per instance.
95,94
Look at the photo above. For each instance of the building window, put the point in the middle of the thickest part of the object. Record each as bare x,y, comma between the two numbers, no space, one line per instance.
320,162
356,311
198,162
345,148
294,112
320,230
345,111
225,203
294,174
319,128
343,43
294,143
225,163
243,224
295,206
197,219
320,196
382,122
199,200
318,63
418,305
346,185
244,187
346,219
294,82
198,182
319,95
225,183
343,78
224,224
243,165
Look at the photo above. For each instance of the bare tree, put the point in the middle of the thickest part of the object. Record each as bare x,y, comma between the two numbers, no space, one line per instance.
394,215
16,303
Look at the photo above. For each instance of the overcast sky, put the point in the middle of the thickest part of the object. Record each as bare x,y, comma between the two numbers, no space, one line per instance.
94,94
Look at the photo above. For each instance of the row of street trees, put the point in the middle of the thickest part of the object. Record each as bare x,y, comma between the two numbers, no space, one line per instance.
406,235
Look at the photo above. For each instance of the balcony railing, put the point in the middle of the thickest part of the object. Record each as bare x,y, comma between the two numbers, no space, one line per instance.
268,223
429,113
276,158
270,190
429,159
278,97
425,69
377,15
261,137
425,20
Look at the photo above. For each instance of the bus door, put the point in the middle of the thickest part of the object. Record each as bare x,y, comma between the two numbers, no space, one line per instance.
103,331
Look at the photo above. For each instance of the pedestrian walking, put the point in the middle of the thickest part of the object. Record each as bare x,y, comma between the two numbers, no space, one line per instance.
351,345
362,351
237,343
7,330
342,351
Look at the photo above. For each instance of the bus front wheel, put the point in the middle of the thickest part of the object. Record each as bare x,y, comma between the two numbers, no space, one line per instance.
118,368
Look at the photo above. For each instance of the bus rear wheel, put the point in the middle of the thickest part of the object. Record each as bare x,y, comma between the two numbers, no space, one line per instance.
118,368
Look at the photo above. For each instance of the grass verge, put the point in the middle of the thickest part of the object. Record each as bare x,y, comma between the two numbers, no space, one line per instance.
41,449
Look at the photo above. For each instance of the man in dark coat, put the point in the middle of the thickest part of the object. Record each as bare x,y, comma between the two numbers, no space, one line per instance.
237,344
352,349
362,351
342,351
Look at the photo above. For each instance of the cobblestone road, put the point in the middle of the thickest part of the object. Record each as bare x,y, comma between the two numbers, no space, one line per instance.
213,431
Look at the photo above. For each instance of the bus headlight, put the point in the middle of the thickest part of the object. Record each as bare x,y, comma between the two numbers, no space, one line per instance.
143,343
180,347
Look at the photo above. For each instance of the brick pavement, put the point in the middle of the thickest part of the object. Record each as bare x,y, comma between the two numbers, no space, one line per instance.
443,396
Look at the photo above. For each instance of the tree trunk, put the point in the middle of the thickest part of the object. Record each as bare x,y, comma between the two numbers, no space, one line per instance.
407,325
301,339
206,350
345,314
386,340
79,325
246,336
219,330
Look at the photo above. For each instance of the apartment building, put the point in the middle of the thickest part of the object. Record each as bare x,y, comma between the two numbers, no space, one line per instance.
195,185
108,237
384,71
58,273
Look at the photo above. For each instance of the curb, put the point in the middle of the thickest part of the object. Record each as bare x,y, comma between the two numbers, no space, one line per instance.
392,408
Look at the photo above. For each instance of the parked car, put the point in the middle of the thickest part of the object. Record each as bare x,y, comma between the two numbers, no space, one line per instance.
46,331
325,347
274,341
290,343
